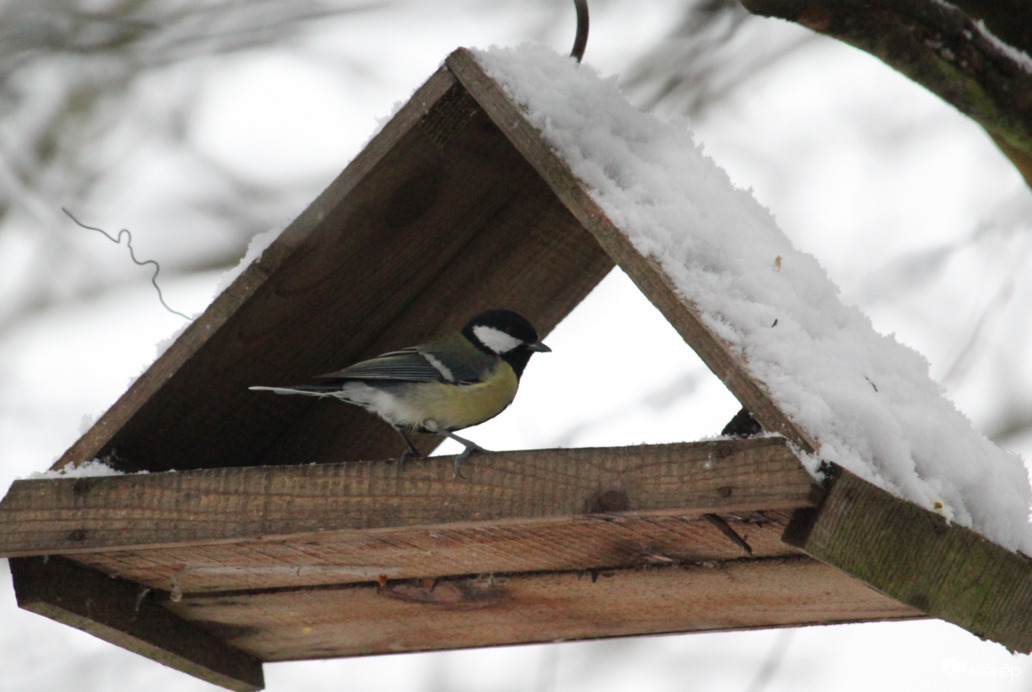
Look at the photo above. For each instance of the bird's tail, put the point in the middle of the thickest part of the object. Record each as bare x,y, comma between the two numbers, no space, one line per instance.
305,389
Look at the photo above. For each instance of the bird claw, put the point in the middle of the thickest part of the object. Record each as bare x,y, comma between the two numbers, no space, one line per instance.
471,447
458,462
410,451
403,459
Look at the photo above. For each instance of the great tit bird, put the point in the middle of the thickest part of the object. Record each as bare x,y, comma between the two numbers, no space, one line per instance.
453,382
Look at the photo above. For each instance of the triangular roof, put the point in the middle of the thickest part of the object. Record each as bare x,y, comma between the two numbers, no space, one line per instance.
456,205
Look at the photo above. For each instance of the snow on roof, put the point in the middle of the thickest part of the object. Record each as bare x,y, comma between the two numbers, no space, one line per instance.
866,398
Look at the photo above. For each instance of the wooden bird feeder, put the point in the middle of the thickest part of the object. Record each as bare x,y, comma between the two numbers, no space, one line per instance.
286,532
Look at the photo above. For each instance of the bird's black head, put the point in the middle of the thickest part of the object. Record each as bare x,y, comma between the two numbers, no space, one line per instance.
505,334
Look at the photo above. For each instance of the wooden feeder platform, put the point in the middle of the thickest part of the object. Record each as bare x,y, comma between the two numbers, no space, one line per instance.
277,529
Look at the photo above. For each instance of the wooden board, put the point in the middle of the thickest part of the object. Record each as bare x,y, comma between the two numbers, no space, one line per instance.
343,557
490,610
919,558
159,510
357,558
120,612
437,219
272,527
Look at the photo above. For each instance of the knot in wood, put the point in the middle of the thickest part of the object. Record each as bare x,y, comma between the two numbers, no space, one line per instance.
82,487
611,500
465,594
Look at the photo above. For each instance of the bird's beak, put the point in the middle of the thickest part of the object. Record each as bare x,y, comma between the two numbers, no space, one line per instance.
539,347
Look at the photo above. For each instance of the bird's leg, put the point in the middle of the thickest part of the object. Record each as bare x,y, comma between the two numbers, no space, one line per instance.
410,452
470,448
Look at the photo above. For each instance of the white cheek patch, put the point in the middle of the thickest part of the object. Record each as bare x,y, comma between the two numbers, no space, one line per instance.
495,339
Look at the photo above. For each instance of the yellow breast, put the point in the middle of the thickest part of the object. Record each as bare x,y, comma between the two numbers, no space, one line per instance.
454,407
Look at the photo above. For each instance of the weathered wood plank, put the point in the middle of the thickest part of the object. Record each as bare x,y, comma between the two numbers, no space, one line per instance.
210,327
650,278
437,219
63,516
120,612
524,608
917,557
85,515
339,557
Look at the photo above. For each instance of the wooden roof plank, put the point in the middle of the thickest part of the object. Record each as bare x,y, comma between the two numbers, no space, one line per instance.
501,609
64,516
919,558
719,356
437,203
208,330
119,612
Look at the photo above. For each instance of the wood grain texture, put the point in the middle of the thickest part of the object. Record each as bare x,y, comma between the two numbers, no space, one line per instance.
583,542
725,363
437,219
515,609
917,557
61,516
121,613
212,331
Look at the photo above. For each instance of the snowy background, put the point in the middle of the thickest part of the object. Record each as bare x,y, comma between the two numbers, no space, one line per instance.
908,206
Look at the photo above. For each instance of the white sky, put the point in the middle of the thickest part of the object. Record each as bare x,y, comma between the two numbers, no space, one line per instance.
813,138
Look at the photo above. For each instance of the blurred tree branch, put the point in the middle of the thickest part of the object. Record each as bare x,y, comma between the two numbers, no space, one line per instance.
972,54
708,55
83,86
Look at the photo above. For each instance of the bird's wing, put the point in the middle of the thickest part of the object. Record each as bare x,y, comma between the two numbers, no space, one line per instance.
449,359
406,365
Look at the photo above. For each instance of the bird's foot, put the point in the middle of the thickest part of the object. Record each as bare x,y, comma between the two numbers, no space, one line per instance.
410,451
470,447
458,461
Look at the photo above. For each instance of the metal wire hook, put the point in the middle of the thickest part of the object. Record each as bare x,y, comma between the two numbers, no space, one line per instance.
132,254
581,40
